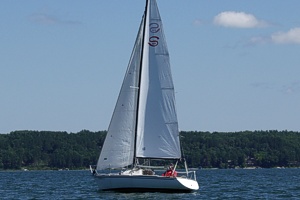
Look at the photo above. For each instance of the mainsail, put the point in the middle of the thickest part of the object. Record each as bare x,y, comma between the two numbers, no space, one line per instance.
144,123
158,135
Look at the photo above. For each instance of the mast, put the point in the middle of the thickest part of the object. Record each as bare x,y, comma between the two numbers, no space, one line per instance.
139,81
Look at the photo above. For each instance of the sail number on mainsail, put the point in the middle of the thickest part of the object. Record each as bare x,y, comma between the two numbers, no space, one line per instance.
153,40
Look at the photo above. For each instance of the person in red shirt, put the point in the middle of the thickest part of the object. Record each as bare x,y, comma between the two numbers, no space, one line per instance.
170,172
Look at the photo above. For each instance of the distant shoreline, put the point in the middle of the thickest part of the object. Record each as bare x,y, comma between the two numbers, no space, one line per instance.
52,150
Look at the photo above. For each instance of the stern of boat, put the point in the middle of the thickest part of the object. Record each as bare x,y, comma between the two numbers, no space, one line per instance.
188,183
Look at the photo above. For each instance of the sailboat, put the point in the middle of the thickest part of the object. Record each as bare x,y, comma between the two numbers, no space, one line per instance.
144,127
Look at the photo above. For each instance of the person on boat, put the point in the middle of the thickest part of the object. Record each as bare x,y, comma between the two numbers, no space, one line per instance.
94,171
170,172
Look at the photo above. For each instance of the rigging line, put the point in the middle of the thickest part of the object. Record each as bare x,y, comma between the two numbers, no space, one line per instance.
139,81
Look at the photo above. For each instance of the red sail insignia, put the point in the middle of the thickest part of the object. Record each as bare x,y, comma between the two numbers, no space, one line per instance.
153,41
154,28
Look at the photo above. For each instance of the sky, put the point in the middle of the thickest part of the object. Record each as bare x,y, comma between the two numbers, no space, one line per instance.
235,64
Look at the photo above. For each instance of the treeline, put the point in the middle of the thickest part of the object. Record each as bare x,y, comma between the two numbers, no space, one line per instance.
50,150
59,150
242,149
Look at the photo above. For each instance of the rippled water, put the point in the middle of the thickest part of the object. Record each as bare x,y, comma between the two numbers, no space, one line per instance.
214,184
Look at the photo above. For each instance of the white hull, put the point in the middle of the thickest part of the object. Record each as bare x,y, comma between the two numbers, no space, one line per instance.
145,183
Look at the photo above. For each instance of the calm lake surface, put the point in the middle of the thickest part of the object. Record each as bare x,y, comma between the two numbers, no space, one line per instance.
214,184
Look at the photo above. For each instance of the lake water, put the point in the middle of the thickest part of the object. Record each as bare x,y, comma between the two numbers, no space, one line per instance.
214,184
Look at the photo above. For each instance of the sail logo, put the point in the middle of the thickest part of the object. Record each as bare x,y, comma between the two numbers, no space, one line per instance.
154,28
153,41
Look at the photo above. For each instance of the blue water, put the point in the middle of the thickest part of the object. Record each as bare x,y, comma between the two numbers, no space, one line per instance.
214,184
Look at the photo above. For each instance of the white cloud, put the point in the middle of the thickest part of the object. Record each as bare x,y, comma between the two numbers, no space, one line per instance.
259,40
238,20
46,19
43,19
293,87
288,88
292,36
198,22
